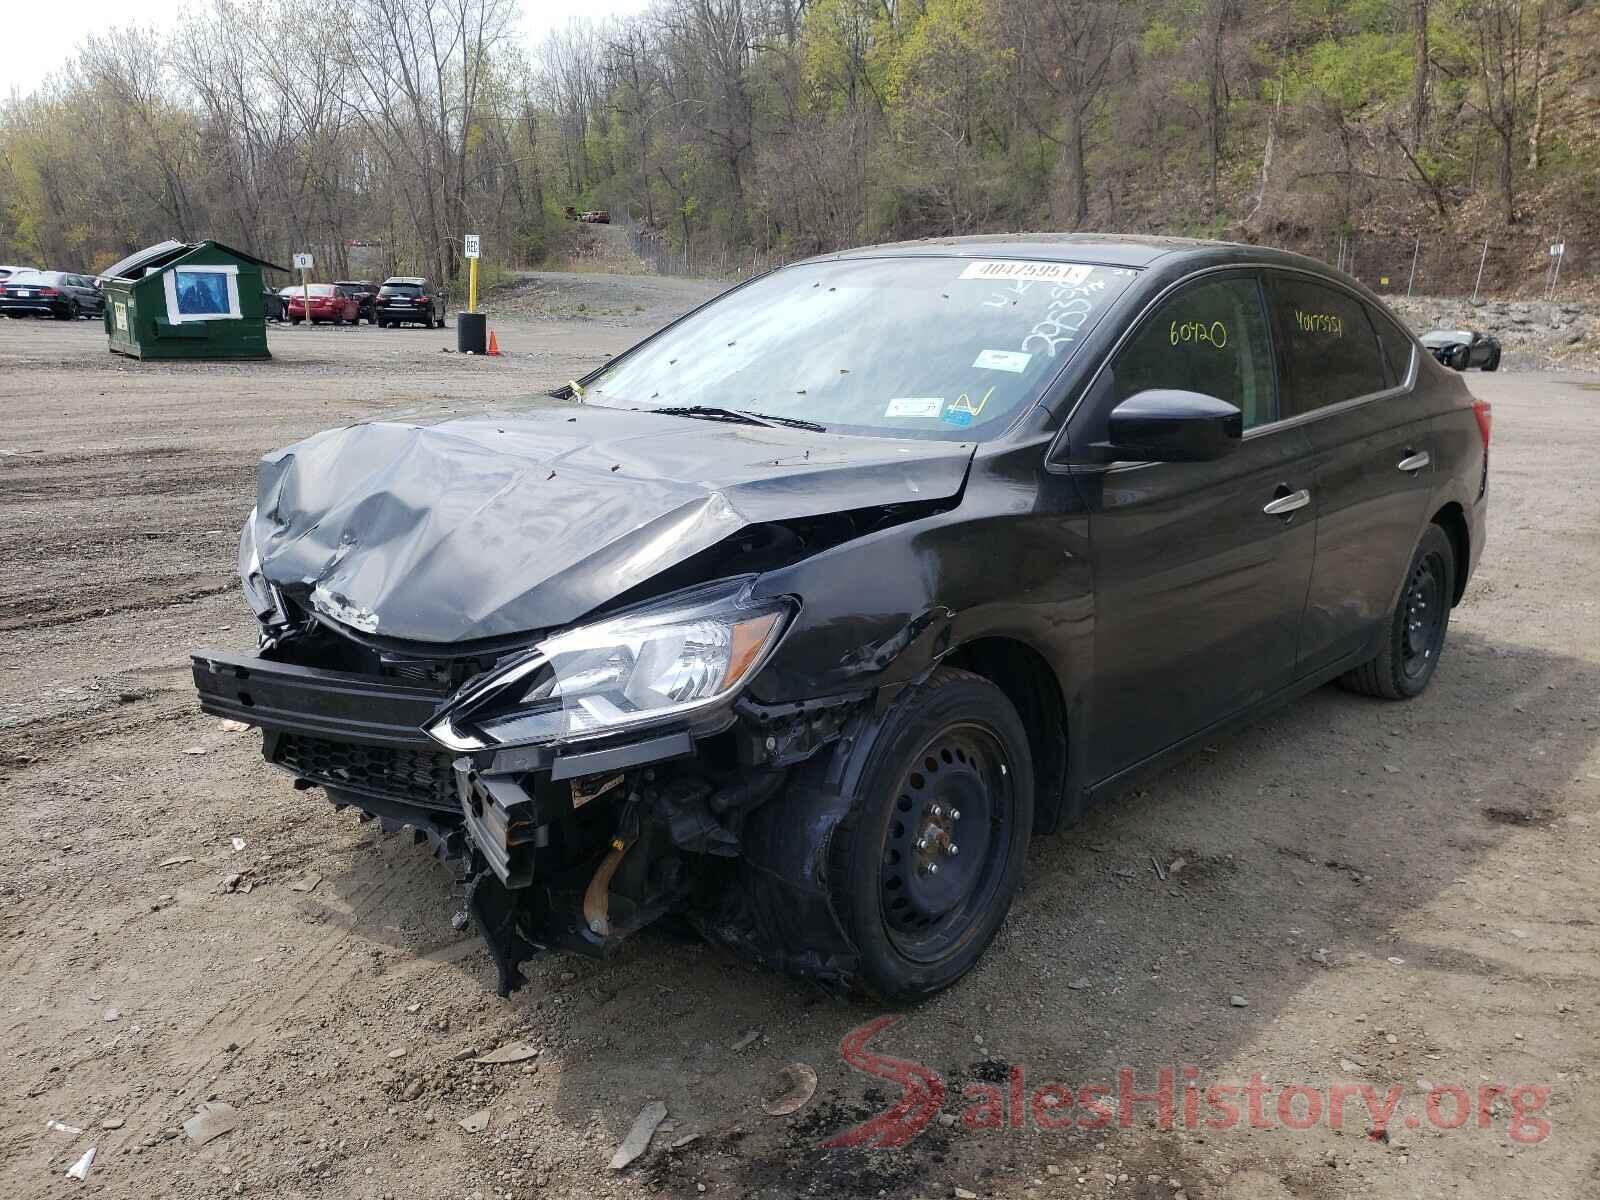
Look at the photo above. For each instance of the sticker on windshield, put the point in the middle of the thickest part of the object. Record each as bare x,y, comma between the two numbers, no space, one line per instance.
1002,360
1050,272
914,406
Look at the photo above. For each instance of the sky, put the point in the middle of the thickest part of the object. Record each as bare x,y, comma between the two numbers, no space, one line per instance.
40,37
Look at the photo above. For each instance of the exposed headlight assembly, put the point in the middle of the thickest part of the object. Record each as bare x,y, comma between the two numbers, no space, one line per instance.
678,658
259,592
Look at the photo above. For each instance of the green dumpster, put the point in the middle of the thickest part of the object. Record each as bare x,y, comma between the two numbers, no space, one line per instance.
187,300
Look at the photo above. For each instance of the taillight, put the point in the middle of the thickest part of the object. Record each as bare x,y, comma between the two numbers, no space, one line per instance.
48,292
1485,414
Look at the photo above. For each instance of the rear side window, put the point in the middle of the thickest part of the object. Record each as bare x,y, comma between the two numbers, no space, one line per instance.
1330,350
1211,337
1396,343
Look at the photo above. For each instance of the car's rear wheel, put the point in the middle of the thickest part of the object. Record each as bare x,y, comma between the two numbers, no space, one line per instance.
925,865
1494,360
1416,633
1460,357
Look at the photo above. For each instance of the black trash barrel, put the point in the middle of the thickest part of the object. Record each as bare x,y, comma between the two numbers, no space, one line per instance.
472,333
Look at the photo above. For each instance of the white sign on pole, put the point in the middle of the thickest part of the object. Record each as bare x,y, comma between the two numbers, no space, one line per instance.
302,262
472,246
1557,249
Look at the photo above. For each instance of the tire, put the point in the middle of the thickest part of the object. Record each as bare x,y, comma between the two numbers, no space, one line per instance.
950,765
1416,634
294,320
1460,358
70,313
1494,360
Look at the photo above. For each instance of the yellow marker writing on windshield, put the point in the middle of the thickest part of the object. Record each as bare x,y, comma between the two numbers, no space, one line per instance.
963,403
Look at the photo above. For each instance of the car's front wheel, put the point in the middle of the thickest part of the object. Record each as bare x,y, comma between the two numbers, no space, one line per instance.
1494,360
924,866
1415,636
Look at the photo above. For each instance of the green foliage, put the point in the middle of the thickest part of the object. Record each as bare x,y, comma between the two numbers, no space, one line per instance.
1352,73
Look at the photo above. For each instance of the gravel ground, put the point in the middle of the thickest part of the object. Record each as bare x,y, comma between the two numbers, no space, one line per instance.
1396,895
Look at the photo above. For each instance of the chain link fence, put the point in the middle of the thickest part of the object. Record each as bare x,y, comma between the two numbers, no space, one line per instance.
1505,266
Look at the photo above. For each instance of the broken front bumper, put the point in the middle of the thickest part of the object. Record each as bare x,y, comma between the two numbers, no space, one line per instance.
520,817
357,737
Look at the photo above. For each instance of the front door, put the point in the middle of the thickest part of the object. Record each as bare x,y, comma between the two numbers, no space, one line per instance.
1200,569
1372,458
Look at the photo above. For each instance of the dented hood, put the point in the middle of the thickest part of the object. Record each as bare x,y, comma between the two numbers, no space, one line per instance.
494,525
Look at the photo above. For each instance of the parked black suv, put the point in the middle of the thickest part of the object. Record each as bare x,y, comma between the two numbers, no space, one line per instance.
409,298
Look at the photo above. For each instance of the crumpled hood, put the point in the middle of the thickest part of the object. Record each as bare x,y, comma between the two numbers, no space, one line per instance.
493,525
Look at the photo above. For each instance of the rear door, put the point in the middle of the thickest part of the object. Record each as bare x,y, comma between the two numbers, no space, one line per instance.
1348,377
1198,590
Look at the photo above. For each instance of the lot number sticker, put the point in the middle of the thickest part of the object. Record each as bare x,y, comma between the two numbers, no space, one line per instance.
1049,272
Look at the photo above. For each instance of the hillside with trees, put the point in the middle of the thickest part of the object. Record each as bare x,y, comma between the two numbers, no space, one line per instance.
740,132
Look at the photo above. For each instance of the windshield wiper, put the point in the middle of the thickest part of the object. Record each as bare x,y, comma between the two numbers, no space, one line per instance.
712,413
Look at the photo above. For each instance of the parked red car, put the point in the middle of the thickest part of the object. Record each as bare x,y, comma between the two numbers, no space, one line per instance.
329,302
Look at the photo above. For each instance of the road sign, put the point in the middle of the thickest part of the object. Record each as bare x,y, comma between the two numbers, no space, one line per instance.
472,245
302,262
1557,249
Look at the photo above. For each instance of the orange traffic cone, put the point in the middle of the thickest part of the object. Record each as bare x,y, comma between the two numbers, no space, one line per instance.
494,344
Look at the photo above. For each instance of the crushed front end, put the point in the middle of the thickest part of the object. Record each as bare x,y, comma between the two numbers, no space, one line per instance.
585,783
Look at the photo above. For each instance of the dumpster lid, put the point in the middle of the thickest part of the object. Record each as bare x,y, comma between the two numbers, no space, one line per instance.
134,265
159,255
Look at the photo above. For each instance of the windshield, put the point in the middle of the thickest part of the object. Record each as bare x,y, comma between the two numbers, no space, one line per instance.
1440,336
316,289
400,289
908,347
28,276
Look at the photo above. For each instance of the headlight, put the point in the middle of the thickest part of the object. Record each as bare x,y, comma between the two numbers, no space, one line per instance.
682,656
259,593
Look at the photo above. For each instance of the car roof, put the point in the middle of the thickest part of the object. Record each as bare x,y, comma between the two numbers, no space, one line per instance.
1100,249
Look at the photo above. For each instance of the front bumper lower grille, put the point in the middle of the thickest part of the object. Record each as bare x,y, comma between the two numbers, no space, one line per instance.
420,777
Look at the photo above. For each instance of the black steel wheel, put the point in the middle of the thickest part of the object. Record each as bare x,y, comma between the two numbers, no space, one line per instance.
927,862
1417,628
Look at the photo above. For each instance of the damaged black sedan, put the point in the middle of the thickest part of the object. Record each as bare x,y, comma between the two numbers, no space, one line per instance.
795,622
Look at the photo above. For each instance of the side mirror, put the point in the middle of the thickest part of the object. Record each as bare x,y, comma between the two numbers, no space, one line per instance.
1167,425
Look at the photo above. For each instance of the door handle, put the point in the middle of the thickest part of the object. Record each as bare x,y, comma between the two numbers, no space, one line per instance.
1286,504
1415,462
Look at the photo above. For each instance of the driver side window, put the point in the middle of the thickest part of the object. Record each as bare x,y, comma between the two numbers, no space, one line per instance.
1211,337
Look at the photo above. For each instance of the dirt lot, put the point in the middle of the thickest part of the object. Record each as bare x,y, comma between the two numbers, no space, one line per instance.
1403,896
